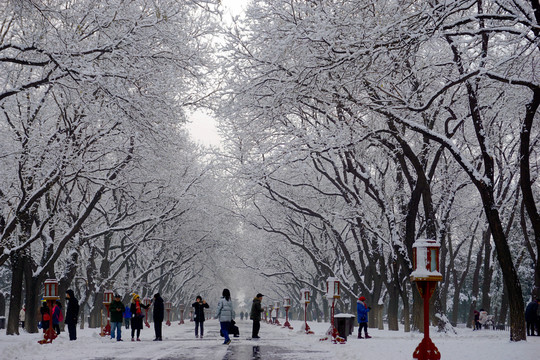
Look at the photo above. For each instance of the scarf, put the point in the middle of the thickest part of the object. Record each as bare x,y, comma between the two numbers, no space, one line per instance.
138,307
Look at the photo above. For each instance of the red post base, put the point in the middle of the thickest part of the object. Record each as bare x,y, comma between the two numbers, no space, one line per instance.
107,329
48,336
426,350
287,324
146,318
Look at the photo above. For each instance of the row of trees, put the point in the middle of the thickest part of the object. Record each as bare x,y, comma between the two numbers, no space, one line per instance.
101,188
356,127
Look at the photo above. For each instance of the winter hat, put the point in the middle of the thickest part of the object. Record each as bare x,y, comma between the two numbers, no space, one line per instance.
135,297
361,298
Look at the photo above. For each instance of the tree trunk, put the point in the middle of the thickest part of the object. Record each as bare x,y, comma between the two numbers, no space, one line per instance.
15,300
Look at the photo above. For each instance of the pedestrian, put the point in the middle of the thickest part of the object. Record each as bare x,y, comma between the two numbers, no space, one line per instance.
199,306
137,316
45,315
72,314
57,316
538,317
255,315
362,310
22,315
530,317
483,317
225,314
477,325
127,316
159,315
241,315
117,310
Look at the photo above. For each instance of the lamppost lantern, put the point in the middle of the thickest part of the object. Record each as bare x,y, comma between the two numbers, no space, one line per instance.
50,289
305,297
286,303
426,260
168,307
426,275
50,294
332,288
107,297
147,301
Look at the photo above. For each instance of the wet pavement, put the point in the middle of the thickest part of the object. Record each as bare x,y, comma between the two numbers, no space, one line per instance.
257,352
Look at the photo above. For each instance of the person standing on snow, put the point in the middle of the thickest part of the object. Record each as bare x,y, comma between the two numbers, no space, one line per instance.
57,316
127,316
72,314
159,315
362,310
225,314
137,316
199,306
530,317
117,310
255,315
22,315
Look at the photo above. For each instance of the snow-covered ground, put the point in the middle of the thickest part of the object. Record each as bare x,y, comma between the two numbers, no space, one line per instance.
276,343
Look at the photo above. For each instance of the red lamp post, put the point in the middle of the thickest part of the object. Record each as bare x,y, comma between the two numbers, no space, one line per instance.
305,296
287,306
426,275
168,307
182,308
146,302
333,293
107,300
50,295
270,313
191,315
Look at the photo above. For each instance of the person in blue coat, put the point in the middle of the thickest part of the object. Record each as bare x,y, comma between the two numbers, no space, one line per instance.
127,316
362,310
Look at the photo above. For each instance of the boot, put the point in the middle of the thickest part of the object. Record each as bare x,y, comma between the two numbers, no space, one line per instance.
360,335
367,336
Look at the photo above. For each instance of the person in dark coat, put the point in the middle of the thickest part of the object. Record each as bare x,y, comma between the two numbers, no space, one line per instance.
45,315
530,317
199,306
72,314
477,325
137,316
362,310
255,315
159,315
117,312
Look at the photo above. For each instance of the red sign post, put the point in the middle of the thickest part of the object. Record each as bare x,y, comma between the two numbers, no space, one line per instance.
107,300
168,307
426,275
182,308
333,293
146,302
287,306
306,298
50,295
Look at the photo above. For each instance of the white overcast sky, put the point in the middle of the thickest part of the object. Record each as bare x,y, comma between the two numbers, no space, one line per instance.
202,126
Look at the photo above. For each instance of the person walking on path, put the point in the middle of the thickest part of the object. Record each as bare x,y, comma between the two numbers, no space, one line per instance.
362,310
255,315
127,316
477,325
199,306
117,312
72,314
57,316
159,315
530,317
137,316
483,317
225,314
